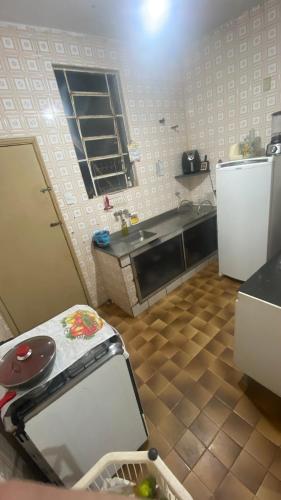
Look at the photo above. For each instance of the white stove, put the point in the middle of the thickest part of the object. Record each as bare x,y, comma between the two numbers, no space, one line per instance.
86,407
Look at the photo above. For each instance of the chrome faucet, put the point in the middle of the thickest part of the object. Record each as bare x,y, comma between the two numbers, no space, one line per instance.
123,213
182,202
202,203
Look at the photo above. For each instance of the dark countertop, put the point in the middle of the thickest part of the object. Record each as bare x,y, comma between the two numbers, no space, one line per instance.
265,284
168,223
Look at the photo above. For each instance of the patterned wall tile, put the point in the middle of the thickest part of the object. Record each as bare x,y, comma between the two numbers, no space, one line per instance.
226,73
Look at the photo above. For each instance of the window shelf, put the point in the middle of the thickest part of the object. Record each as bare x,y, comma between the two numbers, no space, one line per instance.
185,176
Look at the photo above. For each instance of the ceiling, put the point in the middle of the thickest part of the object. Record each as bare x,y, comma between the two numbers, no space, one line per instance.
122,18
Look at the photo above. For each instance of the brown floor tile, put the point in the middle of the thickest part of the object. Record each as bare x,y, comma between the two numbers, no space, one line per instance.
157,383
158,341
169,370
210,381
228,395
171,428
156,411
248,471
248,411
146,350
170,396
158,441
201,338
189,448
177,465
215,347
237,429
181,350
210,471
275,468
197,394
232,489
158,325
217,411
182,381
262,449
181,359
270,430
146,394
186,411
145,371
270,489
196,488
168,349
137,342
169,332
225,449
227,356
204,429
189,331
191,348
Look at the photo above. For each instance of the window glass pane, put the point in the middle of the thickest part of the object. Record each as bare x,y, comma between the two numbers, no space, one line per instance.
92,105
114,93
122,134
87,178
102,147
103,167
76,139
110,184
91,127
66,102
86,82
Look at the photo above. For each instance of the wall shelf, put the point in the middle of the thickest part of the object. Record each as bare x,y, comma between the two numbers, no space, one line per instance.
185,176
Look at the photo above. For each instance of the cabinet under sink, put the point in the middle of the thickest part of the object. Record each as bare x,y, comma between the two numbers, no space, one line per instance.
164,260
158,265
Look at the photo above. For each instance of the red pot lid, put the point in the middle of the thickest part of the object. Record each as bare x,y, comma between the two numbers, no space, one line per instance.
26,360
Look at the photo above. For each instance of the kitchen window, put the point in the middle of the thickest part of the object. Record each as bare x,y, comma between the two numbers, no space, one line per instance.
95,114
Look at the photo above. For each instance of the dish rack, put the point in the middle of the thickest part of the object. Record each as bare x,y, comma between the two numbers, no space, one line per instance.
131,468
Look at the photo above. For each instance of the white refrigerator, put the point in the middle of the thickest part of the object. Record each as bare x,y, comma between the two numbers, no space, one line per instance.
248,214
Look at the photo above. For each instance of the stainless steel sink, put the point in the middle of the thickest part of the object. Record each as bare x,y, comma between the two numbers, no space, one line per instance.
139,236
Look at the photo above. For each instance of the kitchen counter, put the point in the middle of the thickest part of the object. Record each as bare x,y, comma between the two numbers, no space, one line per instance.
168,223
265,284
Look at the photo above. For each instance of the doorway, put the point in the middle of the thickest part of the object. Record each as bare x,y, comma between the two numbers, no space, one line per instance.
39,274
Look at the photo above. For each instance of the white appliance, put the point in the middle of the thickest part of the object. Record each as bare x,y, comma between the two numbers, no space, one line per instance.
248,214
257,339
87,407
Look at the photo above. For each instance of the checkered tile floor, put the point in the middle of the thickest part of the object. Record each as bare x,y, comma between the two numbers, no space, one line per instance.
219,432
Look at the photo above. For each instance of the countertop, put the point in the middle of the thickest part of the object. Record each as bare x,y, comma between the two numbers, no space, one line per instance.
265,284
168,223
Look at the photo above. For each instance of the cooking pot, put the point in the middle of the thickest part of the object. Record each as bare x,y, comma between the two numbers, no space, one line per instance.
29,362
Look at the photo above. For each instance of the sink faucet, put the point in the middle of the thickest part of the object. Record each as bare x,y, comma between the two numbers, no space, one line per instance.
182,202
123,213
202,203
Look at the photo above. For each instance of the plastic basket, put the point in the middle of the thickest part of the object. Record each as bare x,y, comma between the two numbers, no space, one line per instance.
133,467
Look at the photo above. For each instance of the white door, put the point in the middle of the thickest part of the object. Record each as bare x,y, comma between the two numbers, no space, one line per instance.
243,202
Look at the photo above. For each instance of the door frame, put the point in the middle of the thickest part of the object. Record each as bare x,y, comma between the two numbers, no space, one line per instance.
19,141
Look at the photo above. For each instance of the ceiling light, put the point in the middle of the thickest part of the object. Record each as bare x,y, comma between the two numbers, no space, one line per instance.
155,13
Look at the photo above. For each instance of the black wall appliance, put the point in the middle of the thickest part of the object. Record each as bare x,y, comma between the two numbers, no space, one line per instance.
191,162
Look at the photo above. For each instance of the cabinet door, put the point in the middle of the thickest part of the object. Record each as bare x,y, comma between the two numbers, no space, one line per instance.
200,241
159,265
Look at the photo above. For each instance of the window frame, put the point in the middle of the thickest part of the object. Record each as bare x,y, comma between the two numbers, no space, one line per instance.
126,171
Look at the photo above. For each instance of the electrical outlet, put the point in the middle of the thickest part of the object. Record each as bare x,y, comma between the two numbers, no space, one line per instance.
266,84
